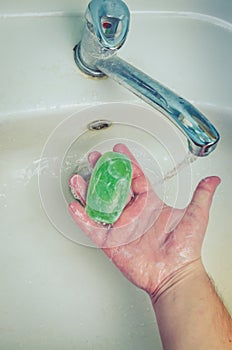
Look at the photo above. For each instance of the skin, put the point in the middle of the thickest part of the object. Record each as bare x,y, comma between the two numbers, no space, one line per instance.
166,260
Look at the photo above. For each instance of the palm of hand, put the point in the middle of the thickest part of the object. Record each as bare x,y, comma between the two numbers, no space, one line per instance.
150,258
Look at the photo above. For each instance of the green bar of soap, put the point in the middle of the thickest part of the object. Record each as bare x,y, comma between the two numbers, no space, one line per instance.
109,187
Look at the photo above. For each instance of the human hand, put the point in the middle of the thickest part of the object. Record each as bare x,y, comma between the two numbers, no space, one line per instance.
150,241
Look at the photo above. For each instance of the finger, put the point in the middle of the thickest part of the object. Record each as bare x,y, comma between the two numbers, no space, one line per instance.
93,158
140,183
78,188
95,231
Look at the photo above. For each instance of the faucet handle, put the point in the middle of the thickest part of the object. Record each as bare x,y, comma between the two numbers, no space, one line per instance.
109,21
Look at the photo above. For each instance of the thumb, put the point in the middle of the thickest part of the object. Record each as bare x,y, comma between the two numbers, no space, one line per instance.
195,220
199,207
204,192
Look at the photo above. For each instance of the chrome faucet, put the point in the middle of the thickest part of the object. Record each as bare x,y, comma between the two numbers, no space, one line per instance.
107,25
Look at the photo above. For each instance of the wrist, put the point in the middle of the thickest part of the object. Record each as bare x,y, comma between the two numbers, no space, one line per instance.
179,281
189,313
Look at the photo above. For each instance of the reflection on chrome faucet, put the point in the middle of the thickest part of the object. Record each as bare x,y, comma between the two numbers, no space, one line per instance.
107,24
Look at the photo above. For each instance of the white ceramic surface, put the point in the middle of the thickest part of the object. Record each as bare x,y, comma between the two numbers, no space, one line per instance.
55,294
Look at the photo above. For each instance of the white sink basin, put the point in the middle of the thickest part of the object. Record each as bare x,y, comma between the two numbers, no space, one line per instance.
56,294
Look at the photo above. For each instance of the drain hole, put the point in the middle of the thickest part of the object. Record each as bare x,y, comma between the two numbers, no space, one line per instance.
99,124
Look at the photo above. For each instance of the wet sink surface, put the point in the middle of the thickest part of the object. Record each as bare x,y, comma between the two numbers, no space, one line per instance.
56,294
61,285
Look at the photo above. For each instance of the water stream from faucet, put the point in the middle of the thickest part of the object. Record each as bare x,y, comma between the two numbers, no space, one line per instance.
189,158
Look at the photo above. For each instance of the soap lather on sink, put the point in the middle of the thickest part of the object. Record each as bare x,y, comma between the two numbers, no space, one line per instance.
109,187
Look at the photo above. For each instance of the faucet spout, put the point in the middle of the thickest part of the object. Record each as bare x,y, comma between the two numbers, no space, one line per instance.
97,57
